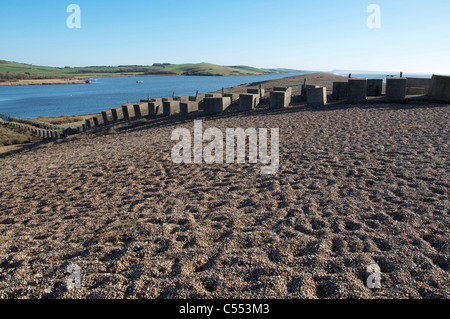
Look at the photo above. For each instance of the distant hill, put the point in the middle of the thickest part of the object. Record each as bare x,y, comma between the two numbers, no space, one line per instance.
281,70
15,71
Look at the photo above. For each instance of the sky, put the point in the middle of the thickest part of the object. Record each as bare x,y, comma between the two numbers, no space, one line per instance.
319,35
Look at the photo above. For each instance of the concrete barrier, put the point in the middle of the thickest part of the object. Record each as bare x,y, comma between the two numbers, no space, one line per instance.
419,83
107,117
117,114
260,92
233,96
357,91
215,105
288,91
395,89
125,112
171,108
248,102
98,121
340,90
317,96
304,96
155,108
279,99
197,98
137,111
188,107
374,87
440,89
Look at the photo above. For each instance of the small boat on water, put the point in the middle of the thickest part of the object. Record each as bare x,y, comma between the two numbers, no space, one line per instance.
139,81
88,81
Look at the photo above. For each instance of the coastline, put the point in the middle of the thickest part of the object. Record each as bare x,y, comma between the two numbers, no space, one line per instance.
44,82
82,80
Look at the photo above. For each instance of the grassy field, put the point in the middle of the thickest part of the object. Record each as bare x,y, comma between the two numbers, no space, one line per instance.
10,71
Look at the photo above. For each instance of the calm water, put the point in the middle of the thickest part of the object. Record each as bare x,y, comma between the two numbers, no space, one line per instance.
106,93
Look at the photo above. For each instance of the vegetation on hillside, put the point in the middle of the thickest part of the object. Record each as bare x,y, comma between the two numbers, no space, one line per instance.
13,71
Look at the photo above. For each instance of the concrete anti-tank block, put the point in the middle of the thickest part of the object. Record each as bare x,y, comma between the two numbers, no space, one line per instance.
155,108
233,96
395,89
440,89
317,96
188,107
357,91
374,87
248,101
261,93
288,91
279,99
340,90
171,108
215,105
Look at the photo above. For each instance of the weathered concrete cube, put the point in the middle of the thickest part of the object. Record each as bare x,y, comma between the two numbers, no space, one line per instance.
317,96
233,96
305,88
117,114
215,105
248,101
171,108
98,121
197,98
288,91
127,111
357,91
395,89
340,90
188,107
374,87
155,108
137,110
107,118
279,99
440,89
259,92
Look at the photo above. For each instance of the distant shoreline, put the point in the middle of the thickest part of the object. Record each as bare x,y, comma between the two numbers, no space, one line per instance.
82,80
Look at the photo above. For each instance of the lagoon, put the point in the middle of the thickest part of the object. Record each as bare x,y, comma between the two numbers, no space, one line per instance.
32,101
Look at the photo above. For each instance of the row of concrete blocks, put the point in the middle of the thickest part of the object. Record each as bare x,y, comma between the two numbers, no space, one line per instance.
148,108
44,133
357,90
210,103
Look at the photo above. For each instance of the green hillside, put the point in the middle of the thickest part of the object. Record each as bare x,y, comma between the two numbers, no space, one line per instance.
14,71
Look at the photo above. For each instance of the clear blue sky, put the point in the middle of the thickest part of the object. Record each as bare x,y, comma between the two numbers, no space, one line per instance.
311,35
